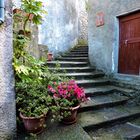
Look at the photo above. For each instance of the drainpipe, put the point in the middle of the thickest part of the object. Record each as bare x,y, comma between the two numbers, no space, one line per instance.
1,11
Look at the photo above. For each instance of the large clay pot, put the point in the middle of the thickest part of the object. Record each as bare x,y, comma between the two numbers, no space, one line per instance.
72,118
34,125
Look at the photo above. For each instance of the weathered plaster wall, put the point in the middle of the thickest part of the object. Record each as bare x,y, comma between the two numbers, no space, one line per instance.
33,46
103,41
83,22
59,30
7,94
16,3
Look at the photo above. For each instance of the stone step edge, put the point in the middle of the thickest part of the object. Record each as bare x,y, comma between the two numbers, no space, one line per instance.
72,68
82,74
136,136
94,82
72,58
114,89
79,51
103,105
74,55
126,91
66,62
98,93
114,121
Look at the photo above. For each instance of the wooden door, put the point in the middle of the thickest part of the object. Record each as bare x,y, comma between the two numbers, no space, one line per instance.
129,50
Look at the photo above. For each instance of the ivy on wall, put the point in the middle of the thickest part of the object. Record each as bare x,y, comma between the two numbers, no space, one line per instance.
26,66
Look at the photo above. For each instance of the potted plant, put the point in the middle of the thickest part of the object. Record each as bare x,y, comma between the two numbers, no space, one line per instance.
67,96
33,102
49,56
25,33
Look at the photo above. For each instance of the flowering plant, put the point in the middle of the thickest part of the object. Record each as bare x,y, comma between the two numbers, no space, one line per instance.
67,94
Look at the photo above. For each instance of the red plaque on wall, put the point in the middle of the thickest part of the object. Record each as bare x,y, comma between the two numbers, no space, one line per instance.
100,19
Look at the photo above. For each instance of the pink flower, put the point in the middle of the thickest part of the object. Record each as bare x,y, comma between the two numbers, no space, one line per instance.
52,90
49,86
54,83
68,90
55,96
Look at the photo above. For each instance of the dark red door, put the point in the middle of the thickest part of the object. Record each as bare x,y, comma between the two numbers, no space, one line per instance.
129,50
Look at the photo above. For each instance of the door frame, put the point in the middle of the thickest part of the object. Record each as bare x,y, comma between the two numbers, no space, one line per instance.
116,45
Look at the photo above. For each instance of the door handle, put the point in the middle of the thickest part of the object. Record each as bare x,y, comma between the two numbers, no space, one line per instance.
126,42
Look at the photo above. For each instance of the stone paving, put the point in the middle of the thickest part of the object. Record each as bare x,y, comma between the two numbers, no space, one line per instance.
57,131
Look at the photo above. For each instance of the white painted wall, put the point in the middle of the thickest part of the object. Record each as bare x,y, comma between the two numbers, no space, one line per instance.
103,40
59,30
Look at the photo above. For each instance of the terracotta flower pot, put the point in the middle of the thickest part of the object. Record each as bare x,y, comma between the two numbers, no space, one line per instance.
31,16
71,119
49,56
17,11
26,33
32,124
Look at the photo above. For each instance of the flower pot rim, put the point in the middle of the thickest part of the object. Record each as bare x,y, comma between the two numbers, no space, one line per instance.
31,118
17,9
49,53
72,108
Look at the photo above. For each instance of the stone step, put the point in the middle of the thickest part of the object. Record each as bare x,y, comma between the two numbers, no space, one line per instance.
81,59
102,101
126,91
67,64
108,116
80,48
75,55
136,123
86,51
125,131
73,69
101,90
85,75
80,53
92,83
108,89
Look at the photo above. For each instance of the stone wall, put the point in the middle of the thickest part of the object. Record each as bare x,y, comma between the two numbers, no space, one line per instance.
7,94
103,40
33,46
59,30
83,22
16,3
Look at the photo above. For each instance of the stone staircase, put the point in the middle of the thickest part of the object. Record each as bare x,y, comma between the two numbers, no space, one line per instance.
109,114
